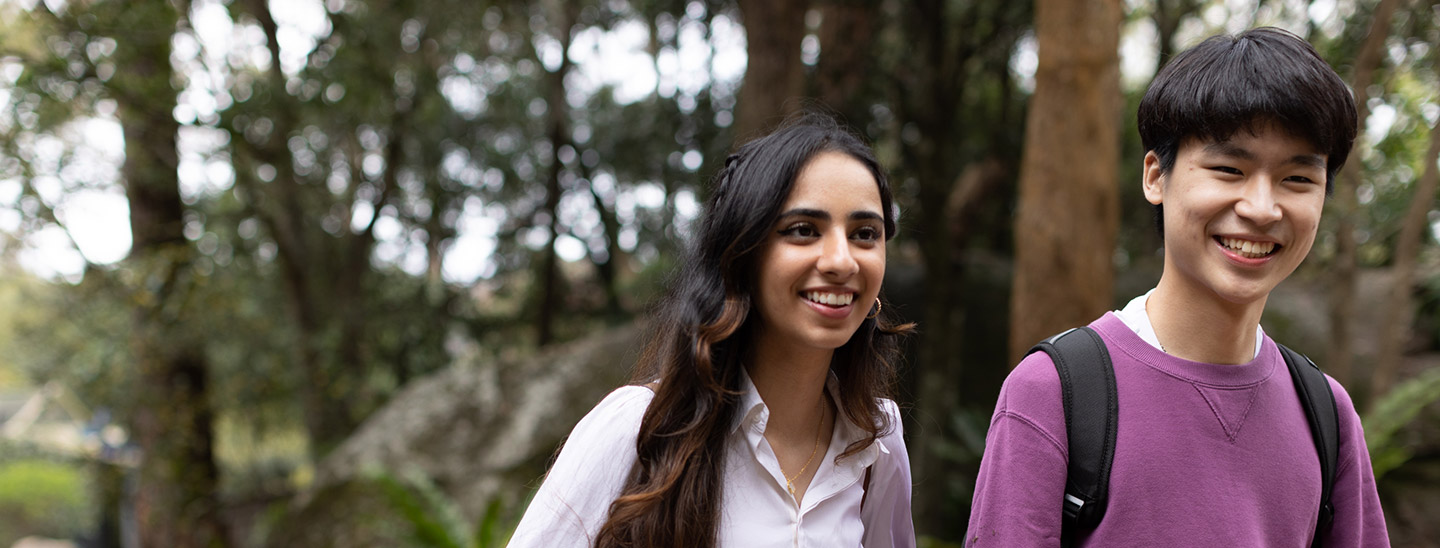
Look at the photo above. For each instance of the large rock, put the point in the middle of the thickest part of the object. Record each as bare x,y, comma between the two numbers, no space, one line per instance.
479,431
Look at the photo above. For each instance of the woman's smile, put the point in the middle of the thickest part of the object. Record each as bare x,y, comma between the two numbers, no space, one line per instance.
829,303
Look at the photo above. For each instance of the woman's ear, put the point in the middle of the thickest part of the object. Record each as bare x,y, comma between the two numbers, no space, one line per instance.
1153,179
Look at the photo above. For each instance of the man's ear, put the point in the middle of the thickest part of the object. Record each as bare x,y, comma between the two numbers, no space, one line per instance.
1152,179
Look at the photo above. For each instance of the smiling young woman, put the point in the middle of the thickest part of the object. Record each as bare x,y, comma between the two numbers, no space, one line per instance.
759,413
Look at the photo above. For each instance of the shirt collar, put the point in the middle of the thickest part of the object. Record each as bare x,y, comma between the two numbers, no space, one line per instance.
850,432
1138,320
752,408
754,413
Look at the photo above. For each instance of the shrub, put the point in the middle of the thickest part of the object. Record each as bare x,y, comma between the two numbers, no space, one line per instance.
44,498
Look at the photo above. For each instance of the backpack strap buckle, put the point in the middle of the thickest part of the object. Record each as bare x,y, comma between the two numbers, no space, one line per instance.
1072,507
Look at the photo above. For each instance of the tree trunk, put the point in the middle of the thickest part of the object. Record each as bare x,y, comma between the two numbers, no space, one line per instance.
1399,309
303,266
558,132
349,287
926,96
1167,16
609,268
774,73
1340,353
1069,198
1309,21
847,36
176,502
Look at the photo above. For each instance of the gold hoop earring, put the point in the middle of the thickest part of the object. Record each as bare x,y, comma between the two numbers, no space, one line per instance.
876,313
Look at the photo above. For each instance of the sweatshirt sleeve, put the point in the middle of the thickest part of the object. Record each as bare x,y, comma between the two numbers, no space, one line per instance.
1021,484
886,511
1359,521
574,501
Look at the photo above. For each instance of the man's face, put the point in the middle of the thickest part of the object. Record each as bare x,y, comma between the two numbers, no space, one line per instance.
1240,214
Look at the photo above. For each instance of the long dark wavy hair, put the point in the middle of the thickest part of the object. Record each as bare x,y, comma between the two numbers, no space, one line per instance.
703,329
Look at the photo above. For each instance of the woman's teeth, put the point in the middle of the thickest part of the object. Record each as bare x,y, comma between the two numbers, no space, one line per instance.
1247,248
832,299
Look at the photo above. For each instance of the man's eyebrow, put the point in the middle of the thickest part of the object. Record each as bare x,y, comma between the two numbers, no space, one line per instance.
1226,148
1309,160
1230,150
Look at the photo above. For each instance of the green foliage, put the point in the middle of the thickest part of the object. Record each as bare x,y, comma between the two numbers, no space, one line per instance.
492,531
14,290
390,509
72,335
43,497
432,517
436,518
959,447
1387,417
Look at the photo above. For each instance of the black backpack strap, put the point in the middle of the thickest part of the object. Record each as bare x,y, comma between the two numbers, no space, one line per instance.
1087,385
1324,419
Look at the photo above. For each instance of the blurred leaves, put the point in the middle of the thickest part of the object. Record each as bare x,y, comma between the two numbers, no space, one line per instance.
1391,414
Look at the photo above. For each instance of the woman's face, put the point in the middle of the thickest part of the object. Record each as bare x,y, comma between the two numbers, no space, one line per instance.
820,269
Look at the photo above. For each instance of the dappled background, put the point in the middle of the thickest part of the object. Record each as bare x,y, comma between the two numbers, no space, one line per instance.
345,273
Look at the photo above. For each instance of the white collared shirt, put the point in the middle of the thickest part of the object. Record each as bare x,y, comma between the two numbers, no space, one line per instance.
756,509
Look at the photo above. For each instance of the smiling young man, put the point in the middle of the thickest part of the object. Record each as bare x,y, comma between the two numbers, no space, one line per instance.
1212,447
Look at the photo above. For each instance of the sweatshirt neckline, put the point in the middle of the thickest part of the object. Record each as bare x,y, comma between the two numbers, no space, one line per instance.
1256,371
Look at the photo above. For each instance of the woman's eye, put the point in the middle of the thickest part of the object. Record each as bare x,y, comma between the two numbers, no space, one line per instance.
800,231
867,234
1301,179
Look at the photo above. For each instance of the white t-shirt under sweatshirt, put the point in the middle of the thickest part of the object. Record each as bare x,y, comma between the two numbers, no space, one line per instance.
1138,320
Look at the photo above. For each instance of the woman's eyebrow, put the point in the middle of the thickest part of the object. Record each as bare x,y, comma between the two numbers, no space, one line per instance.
807,212
858,215
865,215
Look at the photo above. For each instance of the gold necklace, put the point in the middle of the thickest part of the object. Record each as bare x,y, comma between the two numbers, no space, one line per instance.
790,481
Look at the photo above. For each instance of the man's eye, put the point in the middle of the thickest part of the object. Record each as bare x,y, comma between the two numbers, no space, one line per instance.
1226,170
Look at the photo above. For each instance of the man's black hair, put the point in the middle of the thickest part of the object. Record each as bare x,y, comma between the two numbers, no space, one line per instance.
1232,83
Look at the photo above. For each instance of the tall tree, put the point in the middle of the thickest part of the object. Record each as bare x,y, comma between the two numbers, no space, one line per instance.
160,383
557,131
1339,354
1399,309
1069,198
280,205
953,118
1167,16
176,502
843,71
324,156
774,72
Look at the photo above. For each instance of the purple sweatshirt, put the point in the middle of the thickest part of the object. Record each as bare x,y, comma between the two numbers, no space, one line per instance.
1206,455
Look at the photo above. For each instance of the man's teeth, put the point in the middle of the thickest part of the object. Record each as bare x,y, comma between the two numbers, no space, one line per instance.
1247,248
832,299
